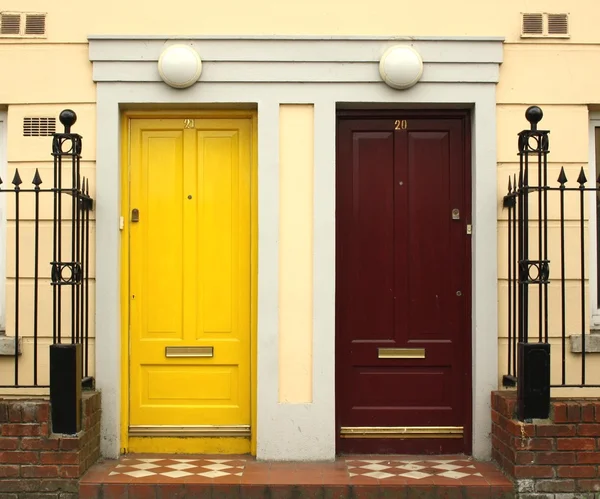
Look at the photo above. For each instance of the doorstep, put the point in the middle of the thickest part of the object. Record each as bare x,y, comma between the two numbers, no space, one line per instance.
156,476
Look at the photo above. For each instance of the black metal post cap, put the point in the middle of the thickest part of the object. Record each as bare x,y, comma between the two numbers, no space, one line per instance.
68,119
534,115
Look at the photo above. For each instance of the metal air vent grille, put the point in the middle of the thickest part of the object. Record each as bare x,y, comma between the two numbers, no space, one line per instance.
35,24
558,25
23,24
533,24
38,127
10,23
544,25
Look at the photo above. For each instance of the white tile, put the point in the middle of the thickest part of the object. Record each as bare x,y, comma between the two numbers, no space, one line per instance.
478,474
446,467
122,466
453,474
148,460
217,467
378,474
113,473
217,461
181,466
213,474
176,474
139,473
186,460
415,474
352,474
410,467
144,466
375,467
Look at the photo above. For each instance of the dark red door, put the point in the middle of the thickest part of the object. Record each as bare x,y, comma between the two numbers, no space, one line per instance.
403,375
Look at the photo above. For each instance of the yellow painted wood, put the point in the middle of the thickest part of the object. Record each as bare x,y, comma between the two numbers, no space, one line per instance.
162,445
191,274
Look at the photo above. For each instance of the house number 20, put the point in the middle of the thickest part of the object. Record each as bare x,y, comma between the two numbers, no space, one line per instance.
400,125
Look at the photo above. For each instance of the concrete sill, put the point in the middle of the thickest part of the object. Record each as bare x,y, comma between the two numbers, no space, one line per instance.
7,345
592,343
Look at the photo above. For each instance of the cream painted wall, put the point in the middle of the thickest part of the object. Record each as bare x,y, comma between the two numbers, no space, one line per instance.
296,165
72,21
42,77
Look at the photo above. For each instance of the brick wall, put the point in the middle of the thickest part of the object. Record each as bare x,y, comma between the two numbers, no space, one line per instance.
554,458
34,462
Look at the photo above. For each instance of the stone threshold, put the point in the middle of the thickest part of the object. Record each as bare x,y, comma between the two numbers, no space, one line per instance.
366,476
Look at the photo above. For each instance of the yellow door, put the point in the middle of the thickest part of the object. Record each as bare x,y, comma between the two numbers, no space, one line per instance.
190,284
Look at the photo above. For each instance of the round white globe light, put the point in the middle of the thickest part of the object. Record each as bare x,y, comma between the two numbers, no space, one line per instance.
179,66
401,67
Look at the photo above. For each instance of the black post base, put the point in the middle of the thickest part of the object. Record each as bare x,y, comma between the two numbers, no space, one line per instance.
533,387
65,388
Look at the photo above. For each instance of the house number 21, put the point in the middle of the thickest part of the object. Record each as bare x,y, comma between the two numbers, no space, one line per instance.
400,125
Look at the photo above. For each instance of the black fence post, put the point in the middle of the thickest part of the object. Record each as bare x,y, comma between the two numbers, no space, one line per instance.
533,363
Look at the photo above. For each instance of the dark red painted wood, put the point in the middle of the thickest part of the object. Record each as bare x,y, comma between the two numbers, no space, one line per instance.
403,277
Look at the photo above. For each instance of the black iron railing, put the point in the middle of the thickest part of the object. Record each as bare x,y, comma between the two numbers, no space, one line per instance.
535,205
66,283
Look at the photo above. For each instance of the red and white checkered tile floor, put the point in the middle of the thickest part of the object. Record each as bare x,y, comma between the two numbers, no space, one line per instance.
178,468
416,469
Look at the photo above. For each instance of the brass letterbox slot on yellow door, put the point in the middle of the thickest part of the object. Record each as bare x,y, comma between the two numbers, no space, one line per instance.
401,353
189,352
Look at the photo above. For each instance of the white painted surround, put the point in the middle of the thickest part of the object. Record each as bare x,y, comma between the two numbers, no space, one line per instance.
3,156
326,72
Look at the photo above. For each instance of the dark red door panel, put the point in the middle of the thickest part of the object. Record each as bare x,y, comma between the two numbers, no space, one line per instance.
403,283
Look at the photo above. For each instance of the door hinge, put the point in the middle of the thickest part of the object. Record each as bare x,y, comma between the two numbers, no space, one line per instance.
469,229
121,223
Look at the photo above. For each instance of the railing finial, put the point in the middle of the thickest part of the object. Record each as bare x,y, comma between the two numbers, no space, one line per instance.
68,118
534,115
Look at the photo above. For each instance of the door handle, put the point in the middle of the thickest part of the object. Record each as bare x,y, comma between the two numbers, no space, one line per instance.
455,214
135,215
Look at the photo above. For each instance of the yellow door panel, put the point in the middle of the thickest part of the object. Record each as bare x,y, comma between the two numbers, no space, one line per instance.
190,272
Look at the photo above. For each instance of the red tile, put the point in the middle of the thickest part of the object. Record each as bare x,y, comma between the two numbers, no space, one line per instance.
308,478
363,480
473,481
89,490
366,492
139,491
170,491
393,491
114,491
282,492
442,481
198,490
227,479
222,491
477,492
336,480
444,492
424,492
283,478
253,492
336,492
502,492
